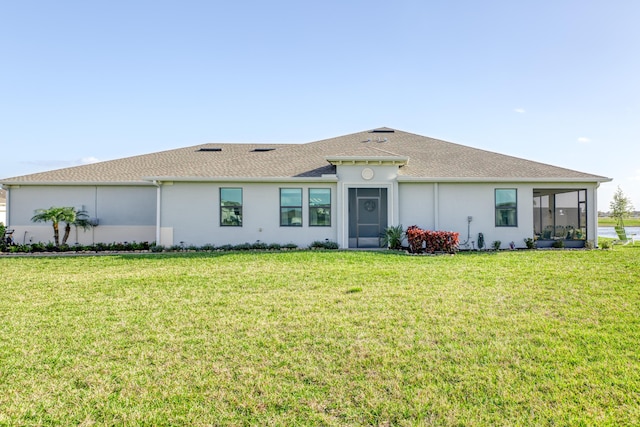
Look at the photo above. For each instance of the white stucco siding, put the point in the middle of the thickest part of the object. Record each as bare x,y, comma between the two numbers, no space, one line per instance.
458,201
192,210
416,205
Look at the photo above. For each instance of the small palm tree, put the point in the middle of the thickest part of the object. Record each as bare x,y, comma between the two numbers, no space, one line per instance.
67,215
76,218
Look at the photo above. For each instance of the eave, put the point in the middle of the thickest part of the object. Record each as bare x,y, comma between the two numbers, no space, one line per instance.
501,179
323,178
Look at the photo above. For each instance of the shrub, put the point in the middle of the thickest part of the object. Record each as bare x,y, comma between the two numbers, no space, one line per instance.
290,246
432,241
530,243
157,248
275,246
18,248
326,244
259,246
588,244
37,247
392,237
605,244
558,244
242,247
496,245
207,247
224,248
331,245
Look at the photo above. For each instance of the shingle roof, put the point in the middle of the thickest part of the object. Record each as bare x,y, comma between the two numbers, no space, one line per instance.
428,159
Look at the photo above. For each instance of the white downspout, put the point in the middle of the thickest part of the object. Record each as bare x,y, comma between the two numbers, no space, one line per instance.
158,207
594,216
436,207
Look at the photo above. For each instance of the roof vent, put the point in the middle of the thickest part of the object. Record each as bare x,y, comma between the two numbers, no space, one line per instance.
382,130
210,149
262,150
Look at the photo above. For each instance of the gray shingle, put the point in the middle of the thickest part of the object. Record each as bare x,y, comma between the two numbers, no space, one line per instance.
428,159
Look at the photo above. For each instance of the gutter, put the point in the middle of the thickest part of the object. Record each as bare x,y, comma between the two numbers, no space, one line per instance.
258,179
8,184
494,179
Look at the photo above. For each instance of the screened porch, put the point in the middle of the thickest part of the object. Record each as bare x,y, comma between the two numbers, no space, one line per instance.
560,214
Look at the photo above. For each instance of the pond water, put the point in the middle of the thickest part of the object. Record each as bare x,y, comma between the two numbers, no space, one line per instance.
611,232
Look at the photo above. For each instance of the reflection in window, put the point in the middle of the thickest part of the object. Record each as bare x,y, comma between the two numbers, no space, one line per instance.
506,207
291,207
320,207
231,207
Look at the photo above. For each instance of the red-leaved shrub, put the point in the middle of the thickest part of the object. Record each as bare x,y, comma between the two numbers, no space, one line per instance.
432,241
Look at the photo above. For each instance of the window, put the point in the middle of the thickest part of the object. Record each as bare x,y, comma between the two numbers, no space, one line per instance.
231,207
320,207
506,207
291,207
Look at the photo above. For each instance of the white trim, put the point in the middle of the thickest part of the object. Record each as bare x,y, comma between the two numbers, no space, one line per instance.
463,180
256,179
148,181
343,203
368,160
17,184
436,206
158,210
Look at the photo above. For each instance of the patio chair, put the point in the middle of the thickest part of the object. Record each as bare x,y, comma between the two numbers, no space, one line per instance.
622,236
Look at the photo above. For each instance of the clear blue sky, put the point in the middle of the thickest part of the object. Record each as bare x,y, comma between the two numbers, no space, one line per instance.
549,80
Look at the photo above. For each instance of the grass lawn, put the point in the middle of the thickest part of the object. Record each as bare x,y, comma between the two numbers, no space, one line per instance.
612,222
322,338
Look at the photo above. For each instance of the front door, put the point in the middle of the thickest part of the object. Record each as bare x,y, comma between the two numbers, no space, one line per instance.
367,216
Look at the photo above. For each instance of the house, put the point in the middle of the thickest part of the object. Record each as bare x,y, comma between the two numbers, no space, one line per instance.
346,189
3,206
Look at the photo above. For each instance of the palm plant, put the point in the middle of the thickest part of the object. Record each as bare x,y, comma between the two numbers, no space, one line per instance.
392,237
76,218
67,215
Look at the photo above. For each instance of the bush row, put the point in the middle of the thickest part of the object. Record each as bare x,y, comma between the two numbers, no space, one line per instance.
432,241
146,246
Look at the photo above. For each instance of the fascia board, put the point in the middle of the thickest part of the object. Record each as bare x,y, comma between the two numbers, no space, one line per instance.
73,183
494,179
160,179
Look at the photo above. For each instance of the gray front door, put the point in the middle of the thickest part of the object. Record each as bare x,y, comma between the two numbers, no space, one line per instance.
367,216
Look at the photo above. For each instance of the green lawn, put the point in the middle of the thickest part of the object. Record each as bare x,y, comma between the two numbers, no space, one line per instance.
611,222
322,338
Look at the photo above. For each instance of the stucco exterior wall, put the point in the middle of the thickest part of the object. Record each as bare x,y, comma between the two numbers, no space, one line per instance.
416,202
447,206
192,210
